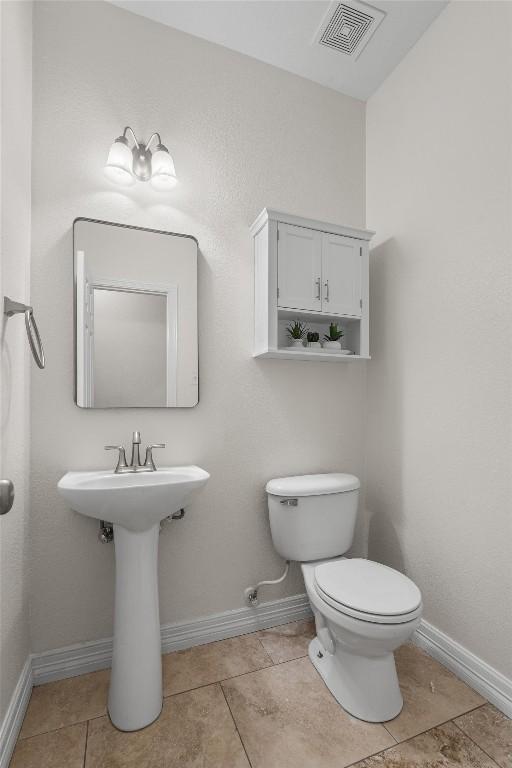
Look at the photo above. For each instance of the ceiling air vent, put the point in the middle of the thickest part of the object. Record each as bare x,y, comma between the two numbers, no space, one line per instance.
348,27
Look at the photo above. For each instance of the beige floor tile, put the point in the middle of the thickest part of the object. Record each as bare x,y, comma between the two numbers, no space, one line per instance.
442,747
59,749
288,641
195,730
205,664
287,718
432,694
491,730
65,702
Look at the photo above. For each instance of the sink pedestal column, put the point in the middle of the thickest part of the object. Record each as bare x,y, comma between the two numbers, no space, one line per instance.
135,696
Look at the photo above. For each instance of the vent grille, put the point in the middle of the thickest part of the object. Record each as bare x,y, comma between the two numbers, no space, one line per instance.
347,28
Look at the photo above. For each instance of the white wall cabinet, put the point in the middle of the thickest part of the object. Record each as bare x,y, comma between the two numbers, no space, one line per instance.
312,271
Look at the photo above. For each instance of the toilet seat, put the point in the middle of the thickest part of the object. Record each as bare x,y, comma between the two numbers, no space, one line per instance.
368,591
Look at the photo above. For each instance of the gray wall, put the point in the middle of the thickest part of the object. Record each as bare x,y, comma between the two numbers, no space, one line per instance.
439,162
244,135
16,128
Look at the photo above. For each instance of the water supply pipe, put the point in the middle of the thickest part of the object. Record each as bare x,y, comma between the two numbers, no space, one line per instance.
251,593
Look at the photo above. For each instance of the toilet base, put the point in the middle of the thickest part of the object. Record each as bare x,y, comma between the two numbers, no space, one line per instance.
366,687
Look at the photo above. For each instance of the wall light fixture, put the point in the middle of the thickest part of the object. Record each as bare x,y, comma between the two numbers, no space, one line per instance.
130,159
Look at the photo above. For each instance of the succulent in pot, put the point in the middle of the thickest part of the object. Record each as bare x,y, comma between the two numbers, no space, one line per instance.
332,339
296,332
313,340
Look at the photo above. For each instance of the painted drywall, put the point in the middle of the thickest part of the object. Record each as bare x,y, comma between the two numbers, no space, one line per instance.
244,135
16,128
439,171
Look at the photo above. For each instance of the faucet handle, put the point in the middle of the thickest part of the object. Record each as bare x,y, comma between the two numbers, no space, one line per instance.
149,455
121,459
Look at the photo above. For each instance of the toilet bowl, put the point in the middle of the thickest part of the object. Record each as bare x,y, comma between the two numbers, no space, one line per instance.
363,610
353,649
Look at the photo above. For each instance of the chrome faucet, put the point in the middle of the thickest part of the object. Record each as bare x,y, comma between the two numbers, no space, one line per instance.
135,464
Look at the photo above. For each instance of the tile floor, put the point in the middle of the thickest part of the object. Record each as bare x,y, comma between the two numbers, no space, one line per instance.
256,701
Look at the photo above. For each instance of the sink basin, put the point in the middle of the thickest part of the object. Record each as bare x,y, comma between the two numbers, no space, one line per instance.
135,503
135,500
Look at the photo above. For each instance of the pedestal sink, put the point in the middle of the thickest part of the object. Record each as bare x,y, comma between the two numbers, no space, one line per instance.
135,503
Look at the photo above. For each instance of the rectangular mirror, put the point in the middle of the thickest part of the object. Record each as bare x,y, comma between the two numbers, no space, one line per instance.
135,317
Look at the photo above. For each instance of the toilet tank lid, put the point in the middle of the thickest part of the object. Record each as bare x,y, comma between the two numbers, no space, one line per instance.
313,485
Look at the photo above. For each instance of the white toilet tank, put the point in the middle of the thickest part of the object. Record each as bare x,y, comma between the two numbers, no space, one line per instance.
313,516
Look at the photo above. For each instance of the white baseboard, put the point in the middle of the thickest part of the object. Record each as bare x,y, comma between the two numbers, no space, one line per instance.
89,657
483,678
11,724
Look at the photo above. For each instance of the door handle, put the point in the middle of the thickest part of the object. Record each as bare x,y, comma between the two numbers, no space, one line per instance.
317,283
6,496
326,290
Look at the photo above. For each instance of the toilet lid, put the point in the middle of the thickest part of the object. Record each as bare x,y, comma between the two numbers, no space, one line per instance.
368,587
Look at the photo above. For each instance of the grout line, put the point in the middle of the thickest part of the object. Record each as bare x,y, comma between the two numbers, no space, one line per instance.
98,717
253,632
269,629
86,742
369,757
60,727
54,730
393,737
267,654
473,740
215,682
437,725
410,738
236,726
234,677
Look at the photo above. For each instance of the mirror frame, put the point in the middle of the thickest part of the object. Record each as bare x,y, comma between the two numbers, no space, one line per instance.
123,283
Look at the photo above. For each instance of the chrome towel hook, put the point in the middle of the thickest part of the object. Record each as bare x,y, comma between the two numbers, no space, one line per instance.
36,345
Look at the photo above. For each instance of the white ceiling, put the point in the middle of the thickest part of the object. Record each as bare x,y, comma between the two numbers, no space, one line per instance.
281,32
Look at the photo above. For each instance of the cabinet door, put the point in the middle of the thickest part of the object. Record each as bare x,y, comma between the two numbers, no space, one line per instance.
299,267
341,275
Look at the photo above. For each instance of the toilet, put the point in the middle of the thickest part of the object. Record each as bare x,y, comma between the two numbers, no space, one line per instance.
363,610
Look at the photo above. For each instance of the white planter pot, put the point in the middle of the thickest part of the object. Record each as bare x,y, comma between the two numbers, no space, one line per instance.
314,345
296,343
335,346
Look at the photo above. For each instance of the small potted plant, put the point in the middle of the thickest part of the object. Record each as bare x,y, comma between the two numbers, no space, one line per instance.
332,339
313,340
296,332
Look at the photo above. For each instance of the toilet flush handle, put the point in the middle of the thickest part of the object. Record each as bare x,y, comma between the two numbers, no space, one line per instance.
289,502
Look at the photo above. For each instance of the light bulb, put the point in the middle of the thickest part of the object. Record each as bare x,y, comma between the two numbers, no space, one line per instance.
164,174
119,163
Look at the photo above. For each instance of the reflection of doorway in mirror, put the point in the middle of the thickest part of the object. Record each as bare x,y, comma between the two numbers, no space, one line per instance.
128,344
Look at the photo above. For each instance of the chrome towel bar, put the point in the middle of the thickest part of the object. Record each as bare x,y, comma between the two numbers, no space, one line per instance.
36,345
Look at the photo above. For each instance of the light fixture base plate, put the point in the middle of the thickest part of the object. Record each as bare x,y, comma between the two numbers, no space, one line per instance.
142,162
